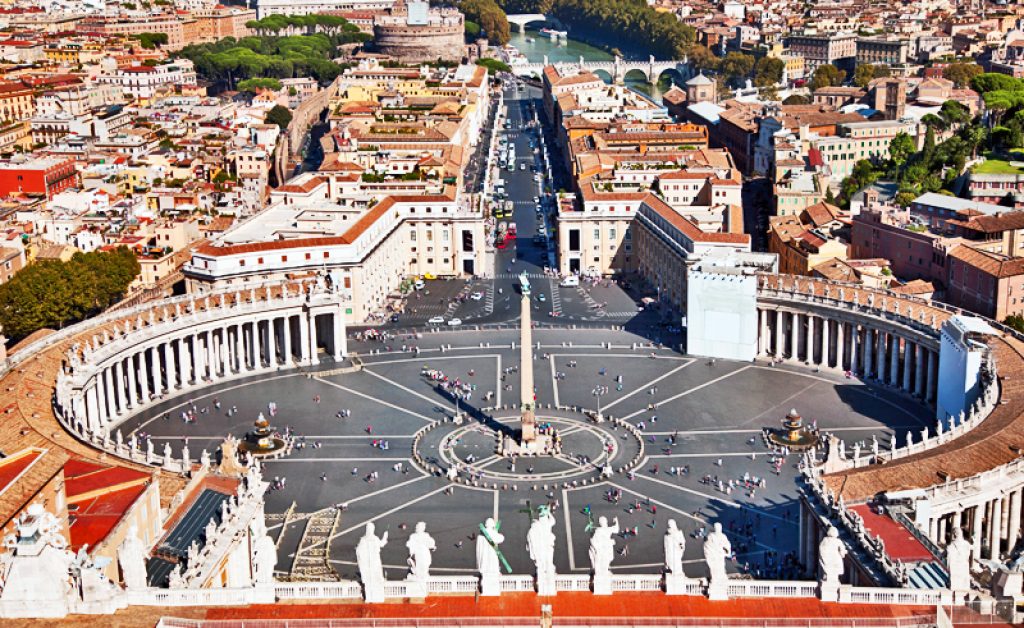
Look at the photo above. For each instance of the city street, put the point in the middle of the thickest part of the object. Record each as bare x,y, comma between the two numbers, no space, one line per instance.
604,303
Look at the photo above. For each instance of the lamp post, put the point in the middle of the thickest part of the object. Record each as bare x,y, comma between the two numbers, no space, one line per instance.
597,392
457,418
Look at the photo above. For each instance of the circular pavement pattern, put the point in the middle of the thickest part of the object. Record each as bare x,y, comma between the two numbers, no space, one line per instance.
704,429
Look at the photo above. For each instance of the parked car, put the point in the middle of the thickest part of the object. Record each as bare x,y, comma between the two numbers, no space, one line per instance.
476,296
437,320
570,282
454,322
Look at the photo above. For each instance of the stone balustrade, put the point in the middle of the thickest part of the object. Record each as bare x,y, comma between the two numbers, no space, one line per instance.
986,403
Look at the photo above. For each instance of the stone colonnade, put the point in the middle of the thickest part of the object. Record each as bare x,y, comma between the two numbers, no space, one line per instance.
871,348
156,359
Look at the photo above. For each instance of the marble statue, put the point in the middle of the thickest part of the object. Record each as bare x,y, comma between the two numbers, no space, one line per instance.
540,542
264,558
420,546
602,545
717,549
175,580
958,560
486,554
831,552
131,555
675,544
371,570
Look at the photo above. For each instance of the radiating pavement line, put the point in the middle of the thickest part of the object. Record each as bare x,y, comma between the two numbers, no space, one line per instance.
380,401
690,390
647,385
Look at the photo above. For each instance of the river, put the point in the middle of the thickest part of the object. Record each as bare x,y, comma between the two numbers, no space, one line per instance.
571,51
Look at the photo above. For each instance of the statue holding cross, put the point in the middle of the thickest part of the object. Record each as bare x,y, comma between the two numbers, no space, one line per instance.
489,558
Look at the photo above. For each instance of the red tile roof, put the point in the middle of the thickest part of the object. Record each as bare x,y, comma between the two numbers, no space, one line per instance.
13,466
688,228
900,544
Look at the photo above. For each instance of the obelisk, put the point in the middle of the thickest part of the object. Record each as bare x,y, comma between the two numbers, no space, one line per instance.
527,419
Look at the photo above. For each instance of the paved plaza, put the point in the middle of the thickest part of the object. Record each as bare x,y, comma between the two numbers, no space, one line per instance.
697,423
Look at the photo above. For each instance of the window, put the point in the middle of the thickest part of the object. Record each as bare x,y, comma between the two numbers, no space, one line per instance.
309,256
444,236
611,233
259,260
326,254
597,234
412,236
284,258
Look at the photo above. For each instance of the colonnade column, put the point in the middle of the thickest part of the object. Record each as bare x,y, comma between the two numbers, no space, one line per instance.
133,391
880,355
238,360
810,340
826,347
92,409
894,360
314,357
869,353
794,336
762,332
779,334
108,388
156,369
841,345
855,348
908,355
172,378
340,342
303,339
979,514
119,389
143,377
994,537
1013,533
272,342
199,357
286,337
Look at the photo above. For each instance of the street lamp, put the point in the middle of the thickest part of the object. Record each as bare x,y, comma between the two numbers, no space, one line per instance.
597,392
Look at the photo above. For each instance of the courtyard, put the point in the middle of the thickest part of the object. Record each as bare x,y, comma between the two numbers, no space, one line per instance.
680,429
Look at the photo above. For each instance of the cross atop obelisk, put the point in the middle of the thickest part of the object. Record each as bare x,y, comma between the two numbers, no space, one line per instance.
527,419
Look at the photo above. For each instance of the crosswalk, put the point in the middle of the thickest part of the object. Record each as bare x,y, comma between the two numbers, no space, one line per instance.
489,301
516,276
556,299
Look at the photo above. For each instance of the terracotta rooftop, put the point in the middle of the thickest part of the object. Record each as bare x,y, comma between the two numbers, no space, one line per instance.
989,263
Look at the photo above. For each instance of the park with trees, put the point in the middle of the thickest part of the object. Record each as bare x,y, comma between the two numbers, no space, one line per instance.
275,55
51,294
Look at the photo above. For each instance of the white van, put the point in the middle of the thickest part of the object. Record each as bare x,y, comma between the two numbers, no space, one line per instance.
570,282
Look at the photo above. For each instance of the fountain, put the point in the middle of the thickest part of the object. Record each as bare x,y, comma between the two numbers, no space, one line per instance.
794,434
261,440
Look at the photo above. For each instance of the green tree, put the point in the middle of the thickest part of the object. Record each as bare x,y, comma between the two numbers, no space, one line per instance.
864,74
928,150
494,65
796,99
490,17
701,58
768,71
280,116
961,73
1015,321
736,67
257,84
901,147
954,113
52,294
472,30
826,75
150,41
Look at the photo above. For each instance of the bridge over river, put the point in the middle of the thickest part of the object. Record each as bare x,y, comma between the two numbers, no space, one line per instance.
616,70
